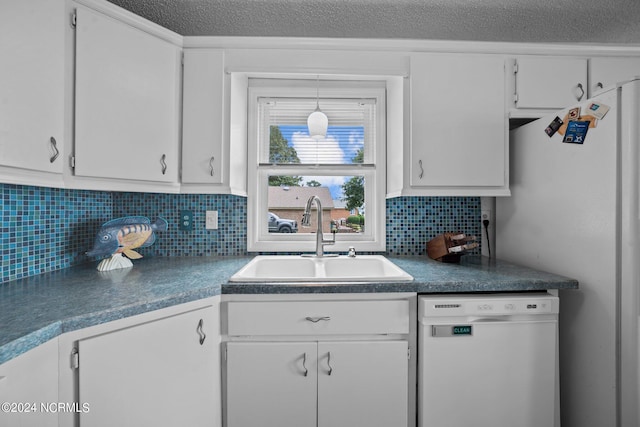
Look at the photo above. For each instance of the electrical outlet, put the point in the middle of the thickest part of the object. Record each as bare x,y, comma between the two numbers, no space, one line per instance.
211,220
186,220
486,215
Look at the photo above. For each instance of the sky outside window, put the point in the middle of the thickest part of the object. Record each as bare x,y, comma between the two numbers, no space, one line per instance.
341,146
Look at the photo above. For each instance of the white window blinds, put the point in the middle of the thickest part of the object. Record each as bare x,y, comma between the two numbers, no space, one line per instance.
350,136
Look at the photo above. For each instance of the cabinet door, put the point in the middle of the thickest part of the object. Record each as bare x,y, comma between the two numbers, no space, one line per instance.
202,120
550,82
127,101
605,72
458,121
30,380
363,384
271,384
32,45
155,374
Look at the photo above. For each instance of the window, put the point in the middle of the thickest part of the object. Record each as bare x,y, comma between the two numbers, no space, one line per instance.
345,170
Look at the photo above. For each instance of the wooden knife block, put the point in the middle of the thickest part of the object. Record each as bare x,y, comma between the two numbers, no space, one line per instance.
438,248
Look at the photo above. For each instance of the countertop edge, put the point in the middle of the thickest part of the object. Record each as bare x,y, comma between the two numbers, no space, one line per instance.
55,329
482,275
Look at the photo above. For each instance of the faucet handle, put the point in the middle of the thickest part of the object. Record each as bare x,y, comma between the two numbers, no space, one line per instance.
352,252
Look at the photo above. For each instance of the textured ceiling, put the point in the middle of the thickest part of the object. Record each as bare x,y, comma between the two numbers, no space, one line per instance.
570,21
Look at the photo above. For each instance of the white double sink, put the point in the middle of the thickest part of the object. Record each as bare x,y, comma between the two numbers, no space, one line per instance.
296,268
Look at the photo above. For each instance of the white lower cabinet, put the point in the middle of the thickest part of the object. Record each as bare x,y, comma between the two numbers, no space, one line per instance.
157,369
29,388
332,384
271,384
322,378
158,373
363,383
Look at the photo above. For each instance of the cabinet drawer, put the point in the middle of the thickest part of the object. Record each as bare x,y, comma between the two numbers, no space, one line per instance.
318,317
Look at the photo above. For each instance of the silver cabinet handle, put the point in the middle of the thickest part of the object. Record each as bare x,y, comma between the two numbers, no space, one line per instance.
581,91
211,165
329,363
163,163
201,333
317,319
56,153
421,169
304,364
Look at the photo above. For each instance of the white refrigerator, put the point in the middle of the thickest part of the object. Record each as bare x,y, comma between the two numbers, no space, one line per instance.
574,211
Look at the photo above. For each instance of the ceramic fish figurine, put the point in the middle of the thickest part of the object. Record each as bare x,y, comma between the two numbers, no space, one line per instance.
123,235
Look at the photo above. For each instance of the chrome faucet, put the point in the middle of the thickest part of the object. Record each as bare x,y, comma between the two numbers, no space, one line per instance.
306,222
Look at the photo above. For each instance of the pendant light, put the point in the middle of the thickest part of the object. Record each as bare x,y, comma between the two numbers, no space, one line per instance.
317,122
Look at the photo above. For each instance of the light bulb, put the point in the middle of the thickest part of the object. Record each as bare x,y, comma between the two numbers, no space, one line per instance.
317,122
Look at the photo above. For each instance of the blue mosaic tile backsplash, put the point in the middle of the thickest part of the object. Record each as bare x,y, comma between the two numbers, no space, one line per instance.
45,229
413,221
229,239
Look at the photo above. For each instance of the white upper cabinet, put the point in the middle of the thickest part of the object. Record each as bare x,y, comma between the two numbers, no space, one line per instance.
127,101
607,71
32,89
548,83
203,117
458,126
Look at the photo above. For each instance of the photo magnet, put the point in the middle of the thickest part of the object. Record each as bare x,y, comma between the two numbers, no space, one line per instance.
598,110
553,126
574,113
576,131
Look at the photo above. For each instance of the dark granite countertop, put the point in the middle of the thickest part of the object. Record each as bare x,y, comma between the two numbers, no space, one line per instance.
36,309
39,308
472,274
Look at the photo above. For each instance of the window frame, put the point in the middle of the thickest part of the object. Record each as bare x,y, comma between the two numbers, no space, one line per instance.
258,237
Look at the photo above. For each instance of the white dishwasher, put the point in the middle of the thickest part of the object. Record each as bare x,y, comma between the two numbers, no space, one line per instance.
488,360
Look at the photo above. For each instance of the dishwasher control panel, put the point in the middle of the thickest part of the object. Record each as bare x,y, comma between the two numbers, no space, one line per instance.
487,305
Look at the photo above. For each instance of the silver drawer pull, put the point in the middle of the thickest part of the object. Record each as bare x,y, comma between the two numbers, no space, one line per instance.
304,364
317,319
200,331
163,163
54,146
579,97
329,363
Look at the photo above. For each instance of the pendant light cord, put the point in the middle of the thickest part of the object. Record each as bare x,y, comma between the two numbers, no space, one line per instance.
317,92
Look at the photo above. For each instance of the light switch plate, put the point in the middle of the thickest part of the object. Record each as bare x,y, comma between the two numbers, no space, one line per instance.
211,220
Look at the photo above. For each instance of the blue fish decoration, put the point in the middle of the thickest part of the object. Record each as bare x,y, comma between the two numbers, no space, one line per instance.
123,235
